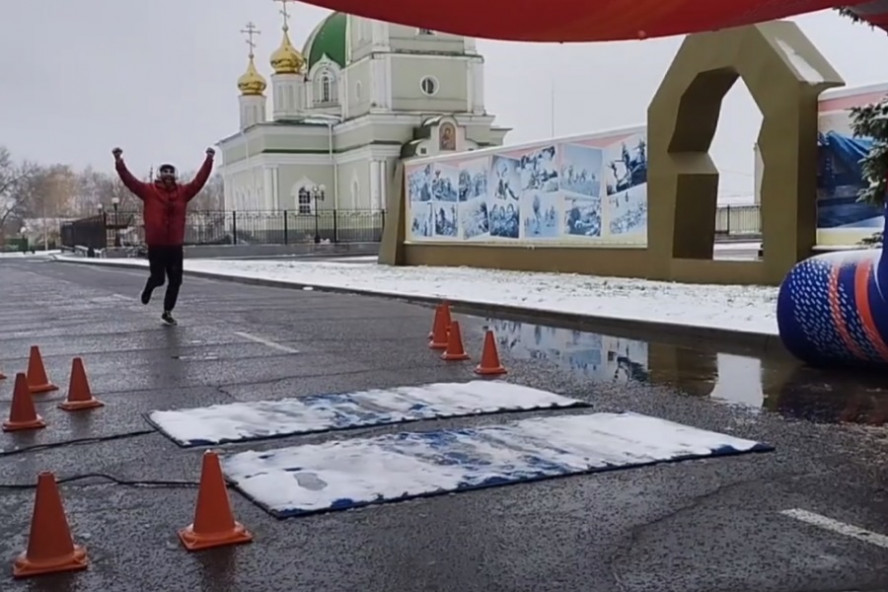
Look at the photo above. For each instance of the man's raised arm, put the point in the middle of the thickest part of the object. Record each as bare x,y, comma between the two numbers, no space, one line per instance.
138,188
192,188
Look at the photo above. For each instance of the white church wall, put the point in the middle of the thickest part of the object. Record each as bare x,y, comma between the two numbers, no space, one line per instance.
447,76
359,40
305,138
369,130
359,90
292,178
404,38
351,197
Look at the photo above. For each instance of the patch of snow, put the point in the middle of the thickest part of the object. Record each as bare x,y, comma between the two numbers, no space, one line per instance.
738,246
735,308
28,254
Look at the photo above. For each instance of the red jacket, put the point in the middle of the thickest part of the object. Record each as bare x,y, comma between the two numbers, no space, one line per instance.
164,210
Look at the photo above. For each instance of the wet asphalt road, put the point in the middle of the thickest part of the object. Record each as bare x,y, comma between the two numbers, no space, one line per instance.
701,526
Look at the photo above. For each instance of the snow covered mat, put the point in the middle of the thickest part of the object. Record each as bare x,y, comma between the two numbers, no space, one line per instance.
361,471
235,422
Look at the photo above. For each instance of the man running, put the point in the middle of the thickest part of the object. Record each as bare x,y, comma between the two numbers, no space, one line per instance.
165,203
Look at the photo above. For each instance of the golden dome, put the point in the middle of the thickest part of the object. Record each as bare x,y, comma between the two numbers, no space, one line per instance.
251,83
286,59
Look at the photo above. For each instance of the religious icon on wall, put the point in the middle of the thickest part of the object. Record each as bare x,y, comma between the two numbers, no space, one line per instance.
447,137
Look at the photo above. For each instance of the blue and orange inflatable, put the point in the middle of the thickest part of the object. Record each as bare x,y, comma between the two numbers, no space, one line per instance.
832,309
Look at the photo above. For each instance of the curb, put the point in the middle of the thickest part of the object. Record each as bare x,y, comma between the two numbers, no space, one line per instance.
728,341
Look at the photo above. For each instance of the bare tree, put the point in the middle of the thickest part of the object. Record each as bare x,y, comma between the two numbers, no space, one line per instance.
15,194
210,197
52,191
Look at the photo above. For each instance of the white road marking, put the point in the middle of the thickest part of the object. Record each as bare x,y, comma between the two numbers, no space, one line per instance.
267,342
867,536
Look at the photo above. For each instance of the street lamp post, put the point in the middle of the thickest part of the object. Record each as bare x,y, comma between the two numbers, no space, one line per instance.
318,193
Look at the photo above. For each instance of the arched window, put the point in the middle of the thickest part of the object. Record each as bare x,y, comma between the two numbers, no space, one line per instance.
303,201
326,88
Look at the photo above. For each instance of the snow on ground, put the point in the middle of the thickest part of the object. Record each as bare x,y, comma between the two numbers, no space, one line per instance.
738,246
22,255
738,308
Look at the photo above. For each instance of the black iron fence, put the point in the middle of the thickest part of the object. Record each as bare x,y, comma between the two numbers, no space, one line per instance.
231,228
262,227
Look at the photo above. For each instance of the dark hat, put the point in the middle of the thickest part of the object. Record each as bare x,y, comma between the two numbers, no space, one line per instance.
167,168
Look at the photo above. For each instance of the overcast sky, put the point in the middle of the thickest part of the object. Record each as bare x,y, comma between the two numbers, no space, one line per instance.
158,78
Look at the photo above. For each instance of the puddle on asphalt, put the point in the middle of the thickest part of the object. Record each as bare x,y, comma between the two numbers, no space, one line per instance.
774,383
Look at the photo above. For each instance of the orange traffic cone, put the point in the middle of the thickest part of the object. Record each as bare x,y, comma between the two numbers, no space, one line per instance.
435,321
50,546
445,312
22,415
490,363
214,524
455,351
79,394
38,381
442,324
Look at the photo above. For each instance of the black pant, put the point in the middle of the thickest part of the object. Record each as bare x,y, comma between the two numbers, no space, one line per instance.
165,262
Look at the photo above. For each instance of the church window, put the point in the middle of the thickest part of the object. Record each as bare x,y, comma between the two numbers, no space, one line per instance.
303,200
428,85
358,90
326,88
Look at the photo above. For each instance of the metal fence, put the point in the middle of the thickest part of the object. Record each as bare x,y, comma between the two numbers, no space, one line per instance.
262,227
86,232
231,228
738,220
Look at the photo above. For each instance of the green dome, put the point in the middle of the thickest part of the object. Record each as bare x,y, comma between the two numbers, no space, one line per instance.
328,38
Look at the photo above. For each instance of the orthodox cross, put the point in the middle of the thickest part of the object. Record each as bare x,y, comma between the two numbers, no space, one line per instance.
250,31
285,13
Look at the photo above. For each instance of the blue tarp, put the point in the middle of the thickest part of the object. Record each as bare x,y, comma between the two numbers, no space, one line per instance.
847,149
840,177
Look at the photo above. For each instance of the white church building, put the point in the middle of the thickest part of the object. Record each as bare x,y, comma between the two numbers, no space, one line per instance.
361,95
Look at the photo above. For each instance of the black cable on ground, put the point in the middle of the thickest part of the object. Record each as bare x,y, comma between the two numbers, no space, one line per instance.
106,477
76,441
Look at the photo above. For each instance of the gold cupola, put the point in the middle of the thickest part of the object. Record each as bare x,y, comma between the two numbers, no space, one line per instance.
286,59
251,83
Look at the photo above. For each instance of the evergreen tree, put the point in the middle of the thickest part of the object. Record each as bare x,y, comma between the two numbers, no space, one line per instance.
872,121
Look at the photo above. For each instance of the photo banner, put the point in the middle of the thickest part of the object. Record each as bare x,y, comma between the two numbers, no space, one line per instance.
842,219
587,190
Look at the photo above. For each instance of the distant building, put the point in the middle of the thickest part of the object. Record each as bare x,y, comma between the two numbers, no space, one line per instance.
361,95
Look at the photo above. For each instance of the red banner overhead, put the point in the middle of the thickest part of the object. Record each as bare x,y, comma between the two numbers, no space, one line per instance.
582,20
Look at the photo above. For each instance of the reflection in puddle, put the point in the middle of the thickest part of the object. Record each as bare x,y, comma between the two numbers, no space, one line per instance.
595,356
774,382
738,381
